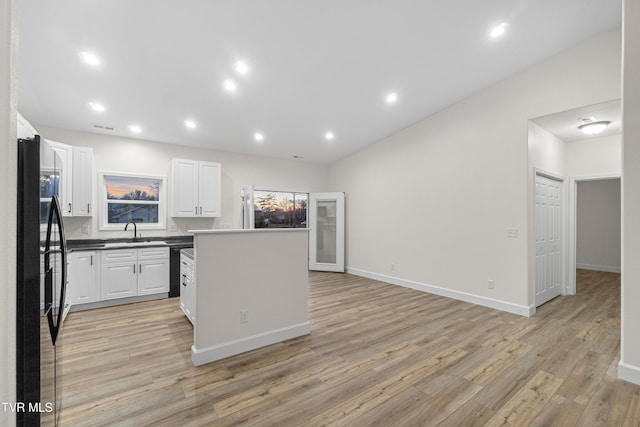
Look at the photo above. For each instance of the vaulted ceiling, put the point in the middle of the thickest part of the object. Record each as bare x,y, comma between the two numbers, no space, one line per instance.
312,67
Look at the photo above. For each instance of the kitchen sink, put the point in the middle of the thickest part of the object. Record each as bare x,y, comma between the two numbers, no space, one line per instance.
130,244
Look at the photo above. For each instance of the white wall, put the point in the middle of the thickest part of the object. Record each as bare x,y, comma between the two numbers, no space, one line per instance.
436,199
629,367
116,154
594,156
240,271
547,152
8,186
598,223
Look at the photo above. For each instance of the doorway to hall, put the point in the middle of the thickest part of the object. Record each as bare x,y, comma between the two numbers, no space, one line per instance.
598,221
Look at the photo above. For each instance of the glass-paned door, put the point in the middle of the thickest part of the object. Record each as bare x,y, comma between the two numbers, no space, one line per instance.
326,234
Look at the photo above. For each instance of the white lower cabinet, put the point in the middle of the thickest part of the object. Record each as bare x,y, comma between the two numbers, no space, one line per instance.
187,288
84,281
153,271
132,272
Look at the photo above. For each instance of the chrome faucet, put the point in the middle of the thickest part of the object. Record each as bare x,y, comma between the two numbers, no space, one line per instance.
135,230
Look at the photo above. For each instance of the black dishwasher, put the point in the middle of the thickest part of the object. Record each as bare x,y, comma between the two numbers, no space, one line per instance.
174,268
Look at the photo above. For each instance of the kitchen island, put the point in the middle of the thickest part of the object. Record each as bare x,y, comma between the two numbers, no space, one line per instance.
250,290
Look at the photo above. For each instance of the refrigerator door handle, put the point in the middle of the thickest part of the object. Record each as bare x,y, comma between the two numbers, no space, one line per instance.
54,324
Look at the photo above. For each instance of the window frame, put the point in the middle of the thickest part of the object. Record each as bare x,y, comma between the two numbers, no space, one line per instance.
103,212
294,193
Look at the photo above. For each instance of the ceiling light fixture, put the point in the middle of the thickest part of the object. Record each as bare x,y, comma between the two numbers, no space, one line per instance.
329,136
229,85
190,124
90,58
241,67
392,98
499,30
96,107
594,128
258,136
135,128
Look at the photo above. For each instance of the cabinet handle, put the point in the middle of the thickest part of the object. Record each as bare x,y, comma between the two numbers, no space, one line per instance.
140,268
69,207
91,260
183,282
134,269
196,210
88,208
200,210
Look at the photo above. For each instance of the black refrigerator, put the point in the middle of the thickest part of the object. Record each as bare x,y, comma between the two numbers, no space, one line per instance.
41,283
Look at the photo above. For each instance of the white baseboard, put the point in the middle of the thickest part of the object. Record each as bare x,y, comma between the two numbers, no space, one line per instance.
521,310
606,268
231,348
629,373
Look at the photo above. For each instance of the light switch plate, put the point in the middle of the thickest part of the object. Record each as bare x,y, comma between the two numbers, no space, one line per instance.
512,232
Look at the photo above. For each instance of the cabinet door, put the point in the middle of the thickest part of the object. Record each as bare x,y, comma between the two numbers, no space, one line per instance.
119,273
186,293
66,176
209,189
185,187
84,280
153,276
82,181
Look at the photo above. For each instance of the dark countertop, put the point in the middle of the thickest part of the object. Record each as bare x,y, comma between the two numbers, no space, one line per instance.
177,242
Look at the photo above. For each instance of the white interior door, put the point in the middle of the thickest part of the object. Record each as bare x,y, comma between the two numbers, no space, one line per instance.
326,231
548,231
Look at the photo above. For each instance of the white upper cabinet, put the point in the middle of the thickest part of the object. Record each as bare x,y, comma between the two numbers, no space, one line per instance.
66,176
76,179
196,188
82,181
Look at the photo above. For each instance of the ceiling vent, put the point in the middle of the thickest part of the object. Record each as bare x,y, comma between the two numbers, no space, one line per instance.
103,127
587,120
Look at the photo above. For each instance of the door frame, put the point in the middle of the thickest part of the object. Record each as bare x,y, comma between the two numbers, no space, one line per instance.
573,212
563,250
339,198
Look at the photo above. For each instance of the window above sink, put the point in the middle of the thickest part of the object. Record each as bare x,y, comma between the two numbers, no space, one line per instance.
132,198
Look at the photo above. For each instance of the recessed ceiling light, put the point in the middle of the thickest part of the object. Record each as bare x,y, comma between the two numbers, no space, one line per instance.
96,107
229,85
594,128
90,58
241,67
392,98
258,136
135,128
190,124
329,136
499,30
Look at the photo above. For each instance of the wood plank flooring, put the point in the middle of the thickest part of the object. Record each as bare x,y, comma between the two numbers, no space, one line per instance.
378,355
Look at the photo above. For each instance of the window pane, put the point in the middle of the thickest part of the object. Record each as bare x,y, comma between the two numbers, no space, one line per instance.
132,188
279,209
121,213
300,215
326,232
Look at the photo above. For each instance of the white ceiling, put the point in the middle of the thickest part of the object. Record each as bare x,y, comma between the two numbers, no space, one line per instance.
565,124
315,66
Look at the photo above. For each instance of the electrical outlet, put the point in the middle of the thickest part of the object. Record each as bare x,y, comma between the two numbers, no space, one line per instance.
491,284
392,266
173,227
244,316
512,232
85,228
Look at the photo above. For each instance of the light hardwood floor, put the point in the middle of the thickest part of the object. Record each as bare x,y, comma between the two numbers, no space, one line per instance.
378,355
